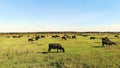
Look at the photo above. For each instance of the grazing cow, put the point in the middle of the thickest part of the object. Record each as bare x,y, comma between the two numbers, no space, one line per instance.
30,40
64,38
92,38
37,38
16,36
55,36
55,46
116,36
42,36
107,41
7,36
84,35
74,37
67,36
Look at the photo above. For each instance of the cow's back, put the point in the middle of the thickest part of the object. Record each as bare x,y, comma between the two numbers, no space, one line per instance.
54,45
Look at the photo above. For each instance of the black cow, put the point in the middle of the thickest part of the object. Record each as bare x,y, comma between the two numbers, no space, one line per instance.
64,38
55,46
14,36
107,41
92,38
55,36
37,38
30,40
42,36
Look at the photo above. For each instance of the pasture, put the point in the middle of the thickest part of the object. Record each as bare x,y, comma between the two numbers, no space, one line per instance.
79,53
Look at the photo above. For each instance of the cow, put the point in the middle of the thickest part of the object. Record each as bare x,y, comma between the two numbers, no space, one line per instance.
84,35
55,36
74,37
7,36
64,38
67,36
107,41
37,38
55,46
30,40
92,38
42,36
116,36
16,36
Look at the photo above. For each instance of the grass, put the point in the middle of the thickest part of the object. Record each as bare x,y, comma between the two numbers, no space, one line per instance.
79,53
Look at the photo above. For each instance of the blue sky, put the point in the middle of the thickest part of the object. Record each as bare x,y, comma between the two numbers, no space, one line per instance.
59,15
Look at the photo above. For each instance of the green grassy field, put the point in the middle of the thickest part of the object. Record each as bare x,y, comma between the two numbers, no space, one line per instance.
79,53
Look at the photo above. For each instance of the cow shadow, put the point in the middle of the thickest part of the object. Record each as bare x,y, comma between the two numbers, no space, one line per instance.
97,42
45,52
56,52
97,46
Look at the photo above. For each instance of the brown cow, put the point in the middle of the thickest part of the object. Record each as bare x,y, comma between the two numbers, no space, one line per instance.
74,37
116,36
55,46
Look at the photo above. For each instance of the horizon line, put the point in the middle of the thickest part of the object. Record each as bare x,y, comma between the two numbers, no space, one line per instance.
53,31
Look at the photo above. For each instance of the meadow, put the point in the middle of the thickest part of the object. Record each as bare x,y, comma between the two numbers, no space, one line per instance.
79,53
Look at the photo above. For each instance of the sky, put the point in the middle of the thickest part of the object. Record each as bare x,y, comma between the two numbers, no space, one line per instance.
59,15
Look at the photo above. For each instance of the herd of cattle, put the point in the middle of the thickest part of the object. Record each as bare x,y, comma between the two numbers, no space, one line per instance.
58,46
65,37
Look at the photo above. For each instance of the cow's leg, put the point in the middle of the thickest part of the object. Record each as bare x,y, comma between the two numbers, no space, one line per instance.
111,44
102,44
57,50
49,49
60,49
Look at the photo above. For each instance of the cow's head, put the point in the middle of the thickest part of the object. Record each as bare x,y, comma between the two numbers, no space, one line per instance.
63,49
